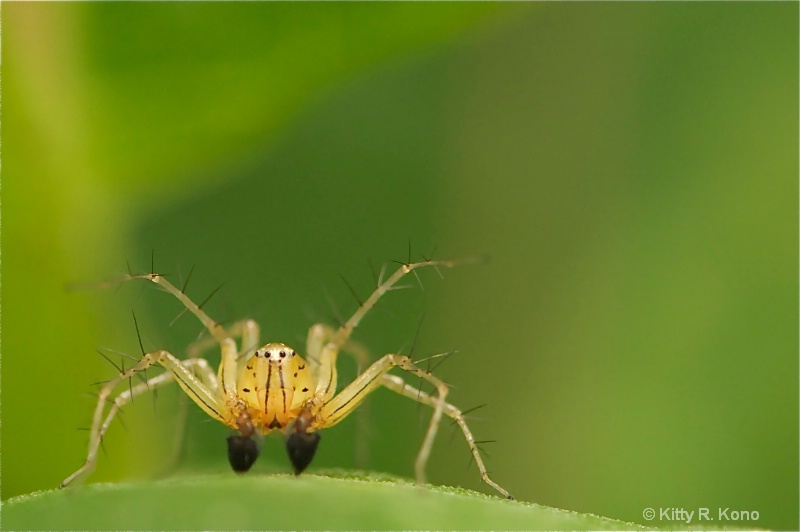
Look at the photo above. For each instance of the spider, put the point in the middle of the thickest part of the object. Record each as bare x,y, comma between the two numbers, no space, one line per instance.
258,390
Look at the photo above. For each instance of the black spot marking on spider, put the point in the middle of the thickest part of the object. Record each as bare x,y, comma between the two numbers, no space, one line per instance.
246,390
305,389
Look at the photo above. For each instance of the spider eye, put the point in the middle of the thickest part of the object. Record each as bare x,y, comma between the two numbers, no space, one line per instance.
301,447
242,453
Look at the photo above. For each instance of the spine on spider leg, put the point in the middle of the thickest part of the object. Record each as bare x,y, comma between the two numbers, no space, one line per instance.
343,334
326,385
216,330
101,419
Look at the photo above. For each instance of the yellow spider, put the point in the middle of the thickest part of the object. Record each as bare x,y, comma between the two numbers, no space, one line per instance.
271,388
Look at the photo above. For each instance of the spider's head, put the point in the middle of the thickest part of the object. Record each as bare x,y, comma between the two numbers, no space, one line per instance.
273,386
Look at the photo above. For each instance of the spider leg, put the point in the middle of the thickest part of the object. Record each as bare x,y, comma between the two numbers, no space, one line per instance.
341,405
202,391
217,331
228,369
397,384
326,382
248,331
318,336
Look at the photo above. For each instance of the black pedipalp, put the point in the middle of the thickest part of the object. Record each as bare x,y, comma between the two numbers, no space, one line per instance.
242,452
301,447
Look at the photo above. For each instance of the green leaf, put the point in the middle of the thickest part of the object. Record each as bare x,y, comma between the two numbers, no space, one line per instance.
341,500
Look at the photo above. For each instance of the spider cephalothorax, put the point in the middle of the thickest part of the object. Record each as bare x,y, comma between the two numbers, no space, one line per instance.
274,391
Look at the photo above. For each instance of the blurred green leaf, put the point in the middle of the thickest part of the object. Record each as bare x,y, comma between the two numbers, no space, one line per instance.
346,501
170,91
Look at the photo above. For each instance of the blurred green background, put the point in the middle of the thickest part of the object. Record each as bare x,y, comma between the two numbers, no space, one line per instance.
630,169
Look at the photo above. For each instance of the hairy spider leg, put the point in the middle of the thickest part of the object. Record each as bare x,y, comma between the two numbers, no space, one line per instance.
397,384
183,371
318,335
324,342
334,408
249,332
228,370
377,375
326,383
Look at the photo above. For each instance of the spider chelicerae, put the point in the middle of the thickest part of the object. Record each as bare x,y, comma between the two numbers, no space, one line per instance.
259,389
